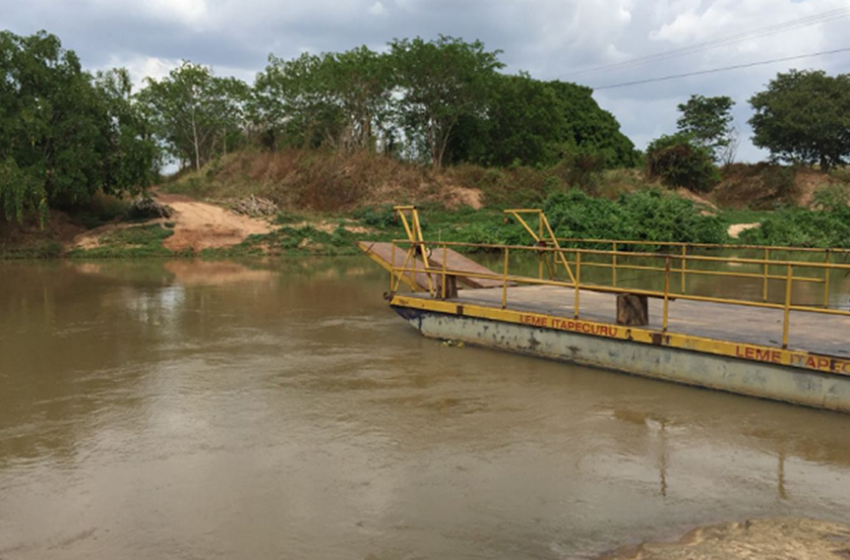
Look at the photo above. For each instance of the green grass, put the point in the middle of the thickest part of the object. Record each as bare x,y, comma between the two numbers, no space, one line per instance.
130,242
746,216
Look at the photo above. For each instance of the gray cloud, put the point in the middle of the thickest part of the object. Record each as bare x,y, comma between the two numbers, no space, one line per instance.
548,38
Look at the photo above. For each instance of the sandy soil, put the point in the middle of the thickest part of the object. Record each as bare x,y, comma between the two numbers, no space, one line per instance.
198,225
735,230
758,539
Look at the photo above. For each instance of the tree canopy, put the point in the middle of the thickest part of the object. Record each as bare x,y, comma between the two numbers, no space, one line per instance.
64,134
194,113
804,117
538,123
441,101
708,121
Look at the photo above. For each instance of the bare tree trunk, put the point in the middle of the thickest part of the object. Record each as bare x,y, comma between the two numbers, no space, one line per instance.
195,135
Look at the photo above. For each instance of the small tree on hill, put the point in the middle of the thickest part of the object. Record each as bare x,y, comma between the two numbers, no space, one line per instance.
708,121
679,162
804,117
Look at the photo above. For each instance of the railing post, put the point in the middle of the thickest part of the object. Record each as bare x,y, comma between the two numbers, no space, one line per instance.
614,265
445,251
541,255
392,269
827,270
766,273
578,284
787,319
505,282
666,293
684,266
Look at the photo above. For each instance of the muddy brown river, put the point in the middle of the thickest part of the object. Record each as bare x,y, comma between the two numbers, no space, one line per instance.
179,410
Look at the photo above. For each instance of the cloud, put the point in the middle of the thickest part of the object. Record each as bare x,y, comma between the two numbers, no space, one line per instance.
551,39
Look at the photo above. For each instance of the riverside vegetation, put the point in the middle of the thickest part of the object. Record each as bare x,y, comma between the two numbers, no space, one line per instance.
328,141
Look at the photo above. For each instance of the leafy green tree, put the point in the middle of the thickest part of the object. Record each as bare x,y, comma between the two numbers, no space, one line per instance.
64,137
194,112
592,129
334,99
804,117
708,120
439,82
133,157
292,104
679,162
522,123
540,123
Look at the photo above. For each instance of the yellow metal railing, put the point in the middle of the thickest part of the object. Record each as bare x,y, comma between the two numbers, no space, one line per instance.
546,237
549,251
577,259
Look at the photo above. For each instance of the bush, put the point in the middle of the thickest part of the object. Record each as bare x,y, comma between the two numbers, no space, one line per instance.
678,162
800,227
641,216
832,197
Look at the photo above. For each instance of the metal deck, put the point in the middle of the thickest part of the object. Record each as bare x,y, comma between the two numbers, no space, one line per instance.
821,334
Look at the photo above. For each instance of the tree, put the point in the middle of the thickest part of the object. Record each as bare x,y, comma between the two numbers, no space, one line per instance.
590,129
804,117
679,162
708,120
341,100
195,112
64,136
540,123
522,123
438,83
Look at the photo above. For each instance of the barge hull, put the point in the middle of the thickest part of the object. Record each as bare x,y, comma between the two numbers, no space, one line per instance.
782,383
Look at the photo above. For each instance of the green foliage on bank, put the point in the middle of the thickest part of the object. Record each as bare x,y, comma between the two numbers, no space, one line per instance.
64,133
799,227
647,215
680,162
131,242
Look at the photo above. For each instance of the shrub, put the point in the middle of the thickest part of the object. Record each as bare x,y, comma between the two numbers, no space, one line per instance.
678,162
832,197
646,215
800,227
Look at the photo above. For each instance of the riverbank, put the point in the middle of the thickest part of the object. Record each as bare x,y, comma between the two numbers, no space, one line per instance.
316,203
756,539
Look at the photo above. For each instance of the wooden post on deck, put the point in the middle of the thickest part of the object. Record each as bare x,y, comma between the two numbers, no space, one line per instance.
632,310
449,286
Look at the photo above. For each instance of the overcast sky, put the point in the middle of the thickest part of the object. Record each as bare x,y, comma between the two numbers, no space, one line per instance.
548,38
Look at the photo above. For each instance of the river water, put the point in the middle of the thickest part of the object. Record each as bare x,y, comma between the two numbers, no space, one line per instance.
158,410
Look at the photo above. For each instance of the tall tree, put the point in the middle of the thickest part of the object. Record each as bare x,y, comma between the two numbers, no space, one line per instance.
708,121
336,99
592,129
438,82
194,112
540,123
63,137
804,117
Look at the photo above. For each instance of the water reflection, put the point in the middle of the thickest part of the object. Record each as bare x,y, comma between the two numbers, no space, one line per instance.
279,409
